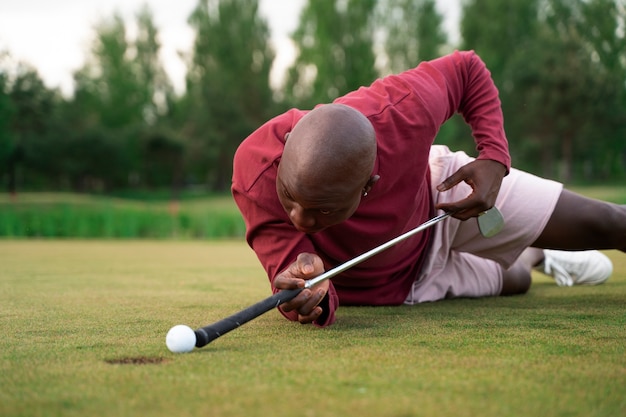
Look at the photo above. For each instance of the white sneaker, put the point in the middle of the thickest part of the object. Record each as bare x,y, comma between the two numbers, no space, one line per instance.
569,268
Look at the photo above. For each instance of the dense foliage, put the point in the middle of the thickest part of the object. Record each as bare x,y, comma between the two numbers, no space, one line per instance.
559,65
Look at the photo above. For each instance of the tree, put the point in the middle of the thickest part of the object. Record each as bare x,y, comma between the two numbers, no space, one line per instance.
121,94
554,63
603,27
578,114
156,89
108,83
496,28
161,148
228,91
335,44
555,87
32,110
8,150
107,110
413,32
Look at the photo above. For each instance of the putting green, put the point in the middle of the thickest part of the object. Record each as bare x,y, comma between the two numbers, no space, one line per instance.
84,324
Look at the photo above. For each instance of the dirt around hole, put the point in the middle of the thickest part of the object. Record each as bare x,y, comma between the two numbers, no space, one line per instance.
140,360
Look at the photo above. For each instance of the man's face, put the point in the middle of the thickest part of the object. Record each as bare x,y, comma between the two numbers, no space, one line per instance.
311,206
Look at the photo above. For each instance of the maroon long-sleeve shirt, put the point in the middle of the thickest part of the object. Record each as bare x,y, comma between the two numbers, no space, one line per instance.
406,111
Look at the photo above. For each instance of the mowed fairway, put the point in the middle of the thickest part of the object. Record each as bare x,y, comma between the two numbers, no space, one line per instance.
84,324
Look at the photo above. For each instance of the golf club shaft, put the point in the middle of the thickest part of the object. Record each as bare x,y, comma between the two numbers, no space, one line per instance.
207,334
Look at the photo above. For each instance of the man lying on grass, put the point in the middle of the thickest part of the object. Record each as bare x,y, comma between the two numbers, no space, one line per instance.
317,188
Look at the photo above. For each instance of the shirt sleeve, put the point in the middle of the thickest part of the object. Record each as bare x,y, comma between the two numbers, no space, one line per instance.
465,84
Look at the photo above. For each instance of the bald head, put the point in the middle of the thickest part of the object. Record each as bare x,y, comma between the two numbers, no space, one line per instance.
332,143
326,167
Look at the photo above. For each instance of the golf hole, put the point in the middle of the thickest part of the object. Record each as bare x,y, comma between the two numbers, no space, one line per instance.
141,360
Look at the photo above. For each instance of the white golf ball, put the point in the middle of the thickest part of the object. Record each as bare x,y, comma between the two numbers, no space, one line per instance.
180,339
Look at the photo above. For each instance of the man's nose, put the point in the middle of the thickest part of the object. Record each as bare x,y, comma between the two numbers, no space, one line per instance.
299,217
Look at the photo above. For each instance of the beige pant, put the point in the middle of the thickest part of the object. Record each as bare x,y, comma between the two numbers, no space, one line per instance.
461,262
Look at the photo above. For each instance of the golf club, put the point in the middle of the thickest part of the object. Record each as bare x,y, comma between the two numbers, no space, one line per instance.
489,224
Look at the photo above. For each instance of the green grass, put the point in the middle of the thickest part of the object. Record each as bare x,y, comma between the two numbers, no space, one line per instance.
84,323
145,215
614,194
66,215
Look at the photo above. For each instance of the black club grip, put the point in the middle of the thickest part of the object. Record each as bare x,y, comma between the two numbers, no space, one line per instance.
207,334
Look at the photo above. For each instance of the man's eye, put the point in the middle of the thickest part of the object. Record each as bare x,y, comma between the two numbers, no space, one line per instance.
325,212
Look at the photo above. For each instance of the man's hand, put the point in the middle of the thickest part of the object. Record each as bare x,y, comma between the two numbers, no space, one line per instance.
485,177
306,266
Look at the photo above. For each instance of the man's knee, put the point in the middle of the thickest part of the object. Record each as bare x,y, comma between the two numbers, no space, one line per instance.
515,280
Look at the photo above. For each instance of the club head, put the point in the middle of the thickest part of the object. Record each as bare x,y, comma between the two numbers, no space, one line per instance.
490,222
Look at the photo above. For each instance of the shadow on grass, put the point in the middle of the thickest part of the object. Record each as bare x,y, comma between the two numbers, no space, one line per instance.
540,310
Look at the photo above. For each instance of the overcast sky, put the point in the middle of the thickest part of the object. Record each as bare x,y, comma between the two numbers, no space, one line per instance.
54,35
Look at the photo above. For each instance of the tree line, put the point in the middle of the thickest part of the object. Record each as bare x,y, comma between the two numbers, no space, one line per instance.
560,67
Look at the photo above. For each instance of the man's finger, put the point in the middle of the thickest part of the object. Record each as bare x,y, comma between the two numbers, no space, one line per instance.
305,264
450,182
310,318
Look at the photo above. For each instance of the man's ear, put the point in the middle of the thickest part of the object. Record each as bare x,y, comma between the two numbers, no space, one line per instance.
370,183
